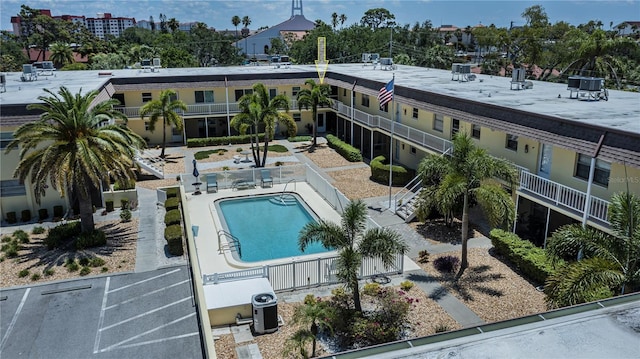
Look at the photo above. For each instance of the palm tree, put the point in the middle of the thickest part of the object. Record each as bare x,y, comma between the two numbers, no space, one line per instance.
316,95
353,243
173,24
235,20
466,176
343,19
610,264
312,311
61,54
257,109
334,20
165,107
73,147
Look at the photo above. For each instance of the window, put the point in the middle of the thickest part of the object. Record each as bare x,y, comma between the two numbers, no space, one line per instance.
295,90
13,187
5,139
120,98
297,117
438,122
601,173
475,131
365,100
385,108
175,131
204,96
241,92
272,93
455,127
413,150
146,96
146,126
344,92
415,113
512,142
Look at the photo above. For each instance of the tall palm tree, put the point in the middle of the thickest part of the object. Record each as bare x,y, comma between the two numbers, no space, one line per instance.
334,20
610,264
173,24
312,311
73,147
235,20
165,107
61,54
258,109
467,175
353,243
343,19
314,96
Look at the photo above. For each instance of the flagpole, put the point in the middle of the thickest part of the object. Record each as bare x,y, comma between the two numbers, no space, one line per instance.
393,120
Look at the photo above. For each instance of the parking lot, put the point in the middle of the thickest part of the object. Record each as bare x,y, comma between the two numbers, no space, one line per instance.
135,315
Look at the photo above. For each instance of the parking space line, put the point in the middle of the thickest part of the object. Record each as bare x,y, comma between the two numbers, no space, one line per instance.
147,332
145,313
145,280
15,318
96,344
158,340
146,294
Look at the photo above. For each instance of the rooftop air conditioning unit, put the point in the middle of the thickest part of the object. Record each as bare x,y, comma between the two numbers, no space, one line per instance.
146,62
386,61
455,68
591,84
156,62
574,82
518,75
464,68
265,313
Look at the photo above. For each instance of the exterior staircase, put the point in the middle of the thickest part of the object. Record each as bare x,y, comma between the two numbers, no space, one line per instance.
407,210
153,165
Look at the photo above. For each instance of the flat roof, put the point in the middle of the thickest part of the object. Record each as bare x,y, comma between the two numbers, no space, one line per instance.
620,112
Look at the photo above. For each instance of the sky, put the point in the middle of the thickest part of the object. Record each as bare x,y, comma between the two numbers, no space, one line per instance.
218,14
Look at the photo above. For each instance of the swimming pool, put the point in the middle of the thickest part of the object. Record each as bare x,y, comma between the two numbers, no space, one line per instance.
267,226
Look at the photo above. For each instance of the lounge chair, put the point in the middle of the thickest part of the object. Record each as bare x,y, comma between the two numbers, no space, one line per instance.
266,178
212,183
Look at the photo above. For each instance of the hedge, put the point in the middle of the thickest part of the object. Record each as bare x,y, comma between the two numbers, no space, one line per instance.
347,151
173,235
58,236
219,141
95,238
172,192
380,172
172,217
530,260
171,203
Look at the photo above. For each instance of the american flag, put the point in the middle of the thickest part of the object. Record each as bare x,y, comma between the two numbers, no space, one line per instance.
386,94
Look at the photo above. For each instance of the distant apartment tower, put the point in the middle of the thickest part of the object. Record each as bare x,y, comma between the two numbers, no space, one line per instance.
102,25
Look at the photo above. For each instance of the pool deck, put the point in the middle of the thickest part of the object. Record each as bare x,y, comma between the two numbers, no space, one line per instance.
206,224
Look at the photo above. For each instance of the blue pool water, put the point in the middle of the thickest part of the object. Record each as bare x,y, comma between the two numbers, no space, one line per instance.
267,226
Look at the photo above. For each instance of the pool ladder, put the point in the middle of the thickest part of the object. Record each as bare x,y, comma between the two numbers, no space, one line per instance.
231,243
284,191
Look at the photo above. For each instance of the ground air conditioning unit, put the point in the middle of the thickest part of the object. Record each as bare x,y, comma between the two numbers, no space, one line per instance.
265,313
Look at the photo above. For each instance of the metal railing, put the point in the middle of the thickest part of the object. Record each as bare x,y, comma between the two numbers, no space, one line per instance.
562,195
199,109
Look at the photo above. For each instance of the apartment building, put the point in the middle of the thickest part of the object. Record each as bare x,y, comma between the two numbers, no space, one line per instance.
549,131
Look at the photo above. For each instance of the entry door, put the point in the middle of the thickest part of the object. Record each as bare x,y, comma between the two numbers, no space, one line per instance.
544,169
321,124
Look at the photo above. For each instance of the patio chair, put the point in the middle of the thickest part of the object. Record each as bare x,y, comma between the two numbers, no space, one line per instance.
212,183
266,178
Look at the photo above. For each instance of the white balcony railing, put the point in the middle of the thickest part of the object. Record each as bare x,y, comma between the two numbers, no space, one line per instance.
200,109
564,196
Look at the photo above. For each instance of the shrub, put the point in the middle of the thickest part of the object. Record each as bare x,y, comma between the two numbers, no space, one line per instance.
239,149
96,262
371,289
201,155
171,203
84,261
58,211
380,172
72,266
60,235
48,272
35,277
76,66
172,217
406,285
84,271
172,192
347,151
446,264
123,184
441,328
43,214
109,205
530,260
95,238
423,256
217,141
173,235
11,248
124,203
21,236
104,269
299,138
12,218
23,273
37,230
25,215
5,239
279,163
125,215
